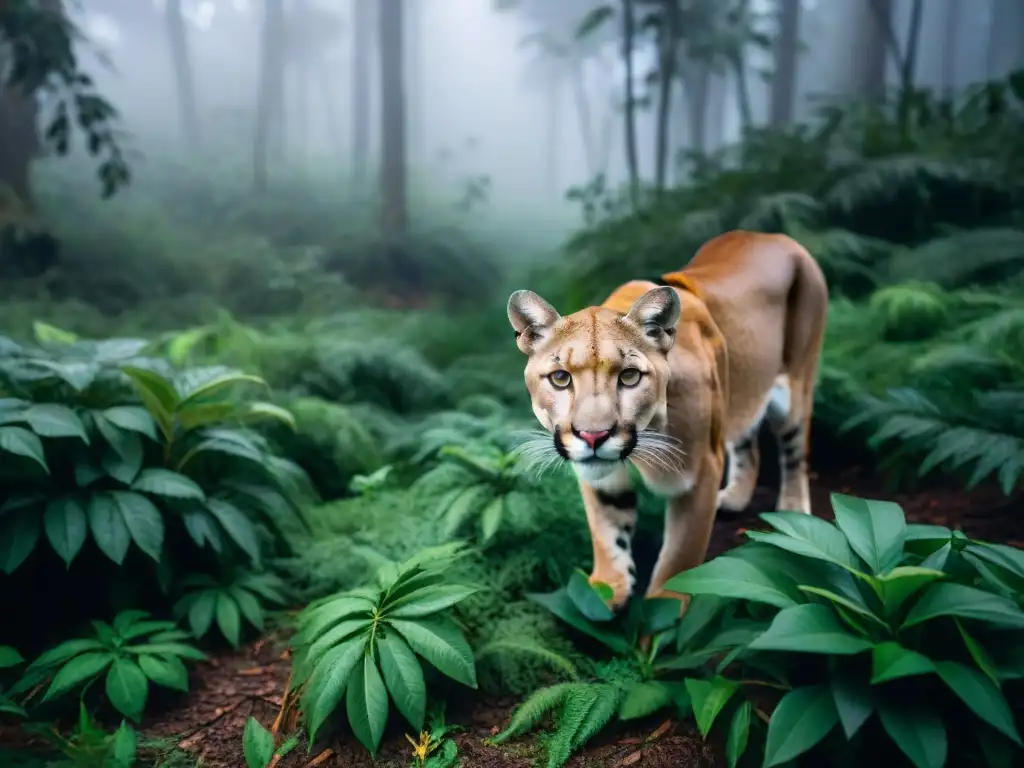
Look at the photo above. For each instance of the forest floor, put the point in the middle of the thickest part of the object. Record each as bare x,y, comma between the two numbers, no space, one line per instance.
232,686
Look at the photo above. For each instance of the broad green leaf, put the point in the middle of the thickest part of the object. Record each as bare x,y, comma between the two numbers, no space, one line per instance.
168,671
801,720
440,641
21,442
51,334
944,599
9,657
560,605
809,629
127,619
981,696
66,527
891,660
490,518
202,528
901,583
157,394
143,520
327,684
238,527
167,648
981,656
334,636
313,622
464,505
917,731
19,533
807,535
125,460
739,734
709,698
875,529
132,418
54,420
404,678
261,411
127,688
659,614
732,577
218,384
1010,558
257,744
845,602
644,698
366,702
853,701
228,618
125,746
164,482
77,670
703,609
586,599
200,613
249,605
429,600
65,651
108,527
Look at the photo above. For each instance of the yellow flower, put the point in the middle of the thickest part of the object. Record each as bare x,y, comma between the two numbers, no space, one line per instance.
421,749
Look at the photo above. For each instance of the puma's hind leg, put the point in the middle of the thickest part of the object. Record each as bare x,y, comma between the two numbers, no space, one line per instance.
744,462
790,421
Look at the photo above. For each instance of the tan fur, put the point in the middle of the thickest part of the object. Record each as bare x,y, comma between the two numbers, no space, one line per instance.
748,326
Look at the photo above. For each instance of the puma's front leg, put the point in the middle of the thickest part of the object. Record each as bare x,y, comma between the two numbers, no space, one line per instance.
689,519
610,502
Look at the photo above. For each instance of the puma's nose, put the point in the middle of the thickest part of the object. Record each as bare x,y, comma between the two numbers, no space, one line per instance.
593,439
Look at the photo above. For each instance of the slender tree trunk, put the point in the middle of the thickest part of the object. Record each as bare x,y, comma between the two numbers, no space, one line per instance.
873,48
579,95
950,46
184,79
908,70
698,81
394,206
271,87
553,132
1006,38
414,62
784,83
668,47
743,93
632,160
362,43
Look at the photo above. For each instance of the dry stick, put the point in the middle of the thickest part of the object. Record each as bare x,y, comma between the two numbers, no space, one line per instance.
320,759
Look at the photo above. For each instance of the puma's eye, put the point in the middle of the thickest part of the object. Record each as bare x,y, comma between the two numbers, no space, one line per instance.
560,379
629,377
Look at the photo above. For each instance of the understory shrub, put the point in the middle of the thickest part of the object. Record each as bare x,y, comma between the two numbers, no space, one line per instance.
155,467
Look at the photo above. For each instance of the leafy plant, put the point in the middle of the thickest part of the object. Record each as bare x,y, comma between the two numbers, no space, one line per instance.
133,651
629,687
478,482
866,617
87,461
89,746
9,658
244,597
364,644
434,749
258,745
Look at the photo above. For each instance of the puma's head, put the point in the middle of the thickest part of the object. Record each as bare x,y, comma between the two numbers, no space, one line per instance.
597,379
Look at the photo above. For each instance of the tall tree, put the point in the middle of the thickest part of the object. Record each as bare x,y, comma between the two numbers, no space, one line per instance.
632,159
270,98
393,185
363,34
1006,39
669,32
787,43
184,79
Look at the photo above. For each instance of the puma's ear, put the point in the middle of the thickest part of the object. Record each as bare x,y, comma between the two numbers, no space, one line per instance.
657,312
531,318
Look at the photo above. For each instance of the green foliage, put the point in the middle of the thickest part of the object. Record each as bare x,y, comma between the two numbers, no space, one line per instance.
104,444
869,615
364,644
9,658
129,654
246,597
434,749
89,746
258,745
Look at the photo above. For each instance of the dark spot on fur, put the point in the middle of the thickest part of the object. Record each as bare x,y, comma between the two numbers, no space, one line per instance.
621,542
632,570
621,500
726,471
629,445
791,464
790,435
557,435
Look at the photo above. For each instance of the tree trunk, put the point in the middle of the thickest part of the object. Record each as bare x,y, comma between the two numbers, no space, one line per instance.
553,133
394,206
950,46
872,48
271,88
583,115
632,161
787,43
1006,38
743,93
908,70
697,76
362,43
184,79
669,35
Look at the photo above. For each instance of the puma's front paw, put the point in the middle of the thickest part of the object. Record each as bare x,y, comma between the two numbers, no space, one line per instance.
615,594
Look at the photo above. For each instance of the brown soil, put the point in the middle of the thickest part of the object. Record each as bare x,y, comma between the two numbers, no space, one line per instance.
230,687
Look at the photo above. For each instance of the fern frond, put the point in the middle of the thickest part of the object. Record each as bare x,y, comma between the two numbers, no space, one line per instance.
529,648
968,257
782,211
531,712
571,722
